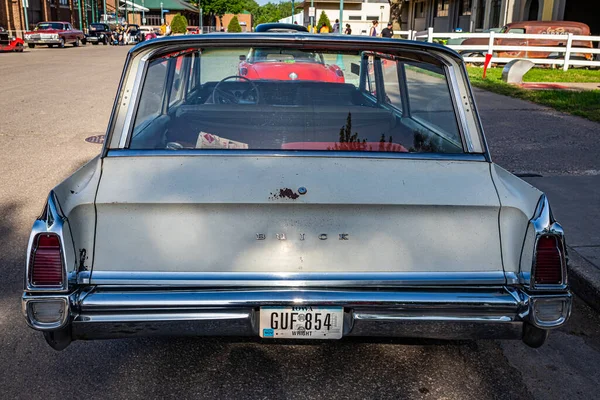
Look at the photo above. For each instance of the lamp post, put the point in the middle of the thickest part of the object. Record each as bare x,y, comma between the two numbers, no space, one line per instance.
104,10
93,6
292,11
162,16
143,14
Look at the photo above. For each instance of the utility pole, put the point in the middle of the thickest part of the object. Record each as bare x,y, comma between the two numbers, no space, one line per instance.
200,22
341,16
93,6
143,14
80,19
312,16
104,9
292,11
162,17
25,5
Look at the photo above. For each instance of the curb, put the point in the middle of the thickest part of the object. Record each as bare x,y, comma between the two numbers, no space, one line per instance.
584,278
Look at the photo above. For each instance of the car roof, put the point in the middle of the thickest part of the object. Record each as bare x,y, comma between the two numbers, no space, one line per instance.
256,39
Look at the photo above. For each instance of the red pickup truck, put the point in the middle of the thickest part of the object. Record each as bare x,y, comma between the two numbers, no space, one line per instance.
54,33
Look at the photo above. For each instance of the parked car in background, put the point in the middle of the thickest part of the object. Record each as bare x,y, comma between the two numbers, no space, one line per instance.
99,33
132,34
307,208
549,28
10,43
288,64
54,34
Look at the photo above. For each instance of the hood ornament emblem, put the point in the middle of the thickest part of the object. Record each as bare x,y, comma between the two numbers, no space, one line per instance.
293,76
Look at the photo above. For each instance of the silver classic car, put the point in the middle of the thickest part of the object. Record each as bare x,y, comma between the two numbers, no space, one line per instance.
295,208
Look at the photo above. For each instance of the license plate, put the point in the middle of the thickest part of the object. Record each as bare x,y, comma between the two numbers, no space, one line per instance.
306,322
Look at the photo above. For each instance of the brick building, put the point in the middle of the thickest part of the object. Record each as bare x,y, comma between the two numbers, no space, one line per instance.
14,19
244,17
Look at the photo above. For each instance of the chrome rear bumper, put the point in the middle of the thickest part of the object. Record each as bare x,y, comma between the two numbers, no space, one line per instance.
102,312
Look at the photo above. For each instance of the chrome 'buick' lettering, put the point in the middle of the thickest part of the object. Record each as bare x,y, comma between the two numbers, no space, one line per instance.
302,236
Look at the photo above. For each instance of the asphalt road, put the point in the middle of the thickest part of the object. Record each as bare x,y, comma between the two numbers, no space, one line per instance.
52,99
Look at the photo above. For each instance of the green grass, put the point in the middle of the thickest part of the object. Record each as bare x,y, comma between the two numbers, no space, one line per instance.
584,104
544,74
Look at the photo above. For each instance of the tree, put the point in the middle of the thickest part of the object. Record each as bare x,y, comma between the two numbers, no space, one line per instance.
218,8
323,19
234,25
396,13
179,24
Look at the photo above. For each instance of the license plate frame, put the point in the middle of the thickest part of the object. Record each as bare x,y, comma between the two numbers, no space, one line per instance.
301,322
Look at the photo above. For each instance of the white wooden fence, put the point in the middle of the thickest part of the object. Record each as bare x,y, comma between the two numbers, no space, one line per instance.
564,53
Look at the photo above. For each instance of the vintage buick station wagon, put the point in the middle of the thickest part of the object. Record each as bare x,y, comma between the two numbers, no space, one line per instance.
295,209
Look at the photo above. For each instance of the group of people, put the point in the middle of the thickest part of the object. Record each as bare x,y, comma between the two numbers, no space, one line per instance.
387,32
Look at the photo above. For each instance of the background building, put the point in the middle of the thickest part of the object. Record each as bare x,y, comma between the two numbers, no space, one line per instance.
477,15
358,13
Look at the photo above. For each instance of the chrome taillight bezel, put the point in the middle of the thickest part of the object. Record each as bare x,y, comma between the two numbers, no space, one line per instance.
544,224
50,221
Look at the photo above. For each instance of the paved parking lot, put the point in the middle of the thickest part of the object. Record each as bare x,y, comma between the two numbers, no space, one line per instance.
51,100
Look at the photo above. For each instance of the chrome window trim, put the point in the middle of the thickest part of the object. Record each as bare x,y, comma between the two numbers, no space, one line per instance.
51,221
130,105
132,102
246,279
476,157
544,224
459,107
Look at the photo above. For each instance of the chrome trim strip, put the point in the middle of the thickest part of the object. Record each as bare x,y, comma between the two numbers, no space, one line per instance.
293,153
544,224
137,301
174,316
244,279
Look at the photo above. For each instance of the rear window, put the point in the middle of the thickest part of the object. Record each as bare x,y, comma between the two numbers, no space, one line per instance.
290,99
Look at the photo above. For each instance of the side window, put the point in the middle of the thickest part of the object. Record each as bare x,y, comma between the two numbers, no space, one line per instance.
391,83
430,101
151,99
517,30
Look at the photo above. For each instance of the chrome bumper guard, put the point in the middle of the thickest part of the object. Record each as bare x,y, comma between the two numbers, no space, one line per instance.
498,313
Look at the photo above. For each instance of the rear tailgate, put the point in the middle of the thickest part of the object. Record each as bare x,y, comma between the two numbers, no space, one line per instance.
245,214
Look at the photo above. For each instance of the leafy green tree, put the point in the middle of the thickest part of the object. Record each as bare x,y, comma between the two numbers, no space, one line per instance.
234,25
179,24
323,19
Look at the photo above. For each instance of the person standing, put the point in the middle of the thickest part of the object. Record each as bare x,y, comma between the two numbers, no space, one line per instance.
336,26
348,30
388,32
324,28
168,29
373,30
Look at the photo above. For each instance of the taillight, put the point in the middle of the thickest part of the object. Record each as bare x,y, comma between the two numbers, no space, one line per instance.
548,262
243,71
45,265
339,72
